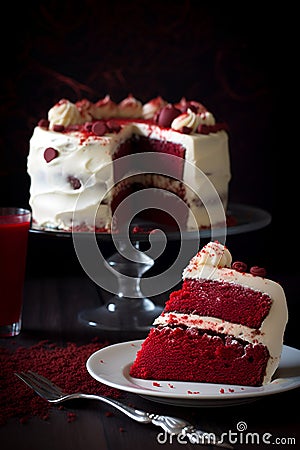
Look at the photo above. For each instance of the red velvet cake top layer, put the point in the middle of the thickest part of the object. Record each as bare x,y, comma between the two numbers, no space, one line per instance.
227,301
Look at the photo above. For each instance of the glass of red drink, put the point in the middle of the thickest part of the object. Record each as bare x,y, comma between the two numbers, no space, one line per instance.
14,226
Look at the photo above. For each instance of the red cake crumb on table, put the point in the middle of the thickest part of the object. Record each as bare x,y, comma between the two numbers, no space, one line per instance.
54,362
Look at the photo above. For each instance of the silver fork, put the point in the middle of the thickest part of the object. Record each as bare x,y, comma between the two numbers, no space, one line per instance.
172,425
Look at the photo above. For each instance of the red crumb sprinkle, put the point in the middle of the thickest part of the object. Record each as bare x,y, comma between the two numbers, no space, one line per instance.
193,392
23,420
155,384
65,366
222,391
231,390
138,229
171,386
122,430
72,417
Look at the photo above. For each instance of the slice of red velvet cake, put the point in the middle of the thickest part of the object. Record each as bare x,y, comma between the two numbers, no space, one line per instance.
223,326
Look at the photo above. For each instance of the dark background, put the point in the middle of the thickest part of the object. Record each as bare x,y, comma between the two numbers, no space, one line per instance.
227,56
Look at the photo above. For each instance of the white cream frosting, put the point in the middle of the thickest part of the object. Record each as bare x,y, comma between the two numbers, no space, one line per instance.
152,107
188,119
206,118
213,263
85,108
213,254
130,107
192,120
105,108
64,113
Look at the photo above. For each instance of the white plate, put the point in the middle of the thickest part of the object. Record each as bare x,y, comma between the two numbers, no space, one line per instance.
111,366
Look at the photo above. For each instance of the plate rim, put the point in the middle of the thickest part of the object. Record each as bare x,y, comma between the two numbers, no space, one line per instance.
195,397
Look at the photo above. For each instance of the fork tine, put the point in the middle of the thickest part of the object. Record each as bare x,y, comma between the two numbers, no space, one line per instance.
42,381
43,387
31,383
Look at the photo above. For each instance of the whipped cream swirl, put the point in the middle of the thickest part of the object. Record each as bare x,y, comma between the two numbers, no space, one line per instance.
152,107
64,113
213,254
130,108
105,109
188,119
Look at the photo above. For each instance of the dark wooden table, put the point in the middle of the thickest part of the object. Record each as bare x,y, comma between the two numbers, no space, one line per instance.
51,306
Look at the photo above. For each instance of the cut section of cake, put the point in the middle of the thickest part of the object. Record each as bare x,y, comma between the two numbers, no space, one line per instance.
78,161
223,326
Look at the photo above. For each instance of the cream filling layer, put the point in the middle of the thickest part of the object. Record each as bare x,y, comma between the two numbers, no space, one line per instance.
251,335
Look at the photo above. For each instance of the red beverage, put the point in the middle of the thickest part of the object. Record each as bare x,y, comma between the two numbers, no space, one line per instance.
14,226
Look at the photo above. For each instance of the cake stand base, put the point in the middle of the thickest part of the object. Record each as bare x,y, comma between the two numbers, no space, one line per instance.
119,313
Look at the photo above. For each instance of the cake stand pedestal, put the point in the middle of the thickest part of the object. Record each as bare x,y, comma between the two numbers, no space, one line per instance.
128,309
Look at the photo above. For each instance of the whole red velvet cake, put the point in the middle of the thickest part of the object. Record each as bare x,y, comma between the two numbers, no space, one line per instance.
223,326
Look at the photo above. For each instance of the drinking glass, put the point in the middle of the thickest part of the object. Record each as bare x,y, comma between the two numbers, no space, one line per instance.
14,227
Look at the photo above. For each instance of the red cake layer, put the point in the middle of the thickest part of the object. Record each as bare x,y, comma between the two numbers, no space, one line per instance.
141,144
227,301
172,167
150,215
179,354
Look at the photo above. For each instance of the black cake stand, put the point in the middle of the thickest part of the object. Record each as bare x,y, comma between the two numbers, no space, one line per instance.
129,274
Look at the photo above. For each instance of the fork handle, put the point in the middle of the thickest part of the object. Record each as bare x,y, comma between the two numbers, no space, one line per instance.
135,414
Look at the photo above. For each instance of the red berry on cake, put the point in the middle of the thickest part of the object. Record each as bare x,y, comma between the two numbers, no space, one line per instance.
59,128
50,153
239,266
99,128
258,271
74,182
167,115
44,123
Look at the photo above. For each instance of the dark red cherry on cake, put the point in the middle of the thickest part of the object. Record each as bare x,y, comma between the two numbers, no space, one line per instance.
167,115
50,153
191,106
44,123
113,126
59,128
74,182
99,128
239,266
258,271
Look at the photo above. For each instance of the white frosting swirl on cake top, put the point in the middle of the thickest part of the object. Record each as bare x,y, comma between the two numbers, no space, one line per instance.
188,119
130,107
152,107
64,113
206,118
213,254
105,108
